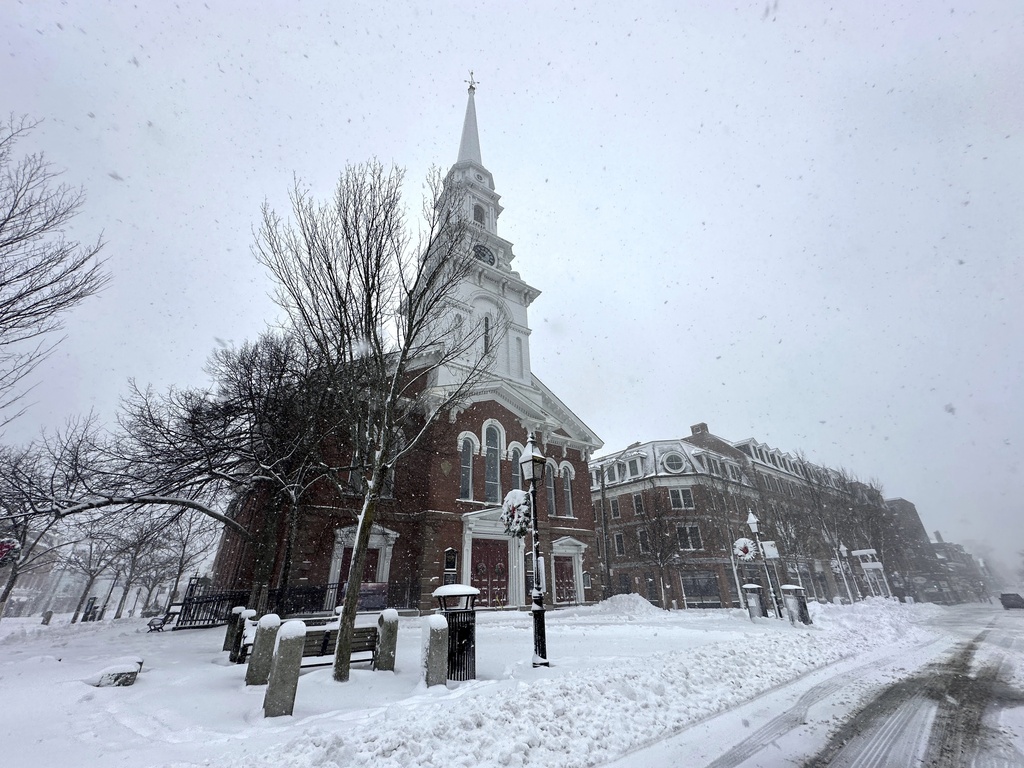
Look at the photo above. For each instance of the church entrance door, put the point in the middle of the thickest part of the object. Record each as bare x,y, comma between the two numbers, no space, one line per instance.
565,580
369,565
489,572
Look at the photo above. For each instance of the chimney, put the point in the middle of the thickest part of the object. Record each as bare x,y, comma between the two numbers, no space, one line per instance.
938,538
699,429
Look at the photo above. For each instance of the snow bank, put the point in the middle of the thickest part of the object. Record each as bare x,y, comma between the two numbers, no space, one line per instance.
624,674
624,607
592,715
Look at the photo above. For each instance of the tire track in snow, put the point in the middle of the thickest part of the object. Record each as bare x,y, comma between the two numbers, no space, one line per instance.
796,715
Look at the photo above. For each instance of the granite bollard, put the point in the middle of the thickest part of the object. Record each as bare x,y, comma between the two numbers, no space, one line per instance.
229,635
435,650
284,672
387,640
236,645
262,657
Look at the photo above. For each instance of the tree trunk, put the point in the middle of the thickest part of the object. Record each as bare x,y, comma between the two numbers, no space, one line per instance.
124,597
149,596
266,547
81,600
106,600
12,579
661,588
347,620
289,544
177,581
129,582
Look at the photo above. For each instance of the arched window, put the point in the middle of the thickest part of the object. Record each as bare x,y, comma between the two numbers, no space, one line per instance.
549,484
567,490
478,214
487,334
466,475
517,471
492,473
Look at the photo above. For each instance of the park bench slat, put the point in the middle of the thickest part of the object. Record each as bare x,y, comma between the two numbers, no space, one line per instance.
321,643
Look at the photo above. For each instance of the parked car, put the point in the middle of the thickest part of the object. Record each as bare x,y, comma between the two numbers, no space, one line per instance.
1011,600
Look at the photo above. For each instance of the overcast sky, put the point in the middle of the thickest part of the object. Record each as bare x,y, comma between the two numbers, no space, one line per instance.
794,222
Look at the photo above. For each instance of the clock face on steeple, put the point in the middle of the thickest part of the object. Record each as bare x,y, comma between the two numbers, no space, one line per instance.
484,253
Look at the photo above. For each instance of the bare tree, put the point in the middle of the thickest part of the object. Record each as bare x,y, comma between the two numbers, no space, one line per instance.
34,535
81,469
260,428
727,501
137,542
657,538
188,541
377,310
97,552
42,274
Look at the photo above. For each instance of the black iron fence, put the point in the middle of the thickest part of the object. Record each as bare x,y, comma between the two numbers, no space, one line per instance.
204,606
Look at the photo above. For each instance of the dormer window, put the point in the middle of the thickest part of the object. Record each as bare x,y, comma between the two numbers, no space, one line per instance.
478,214
673,462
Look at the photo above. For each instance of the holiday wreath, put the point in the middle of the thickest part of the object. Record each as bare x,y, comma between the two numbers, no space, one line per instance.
515,513
745,549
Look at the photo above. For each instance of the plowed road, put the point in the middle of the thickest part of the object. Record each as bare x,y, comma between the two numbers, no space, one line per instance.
949,703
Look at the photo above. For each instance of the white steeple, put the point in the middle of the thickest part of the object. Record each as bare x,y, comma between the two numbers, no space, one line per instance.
495,294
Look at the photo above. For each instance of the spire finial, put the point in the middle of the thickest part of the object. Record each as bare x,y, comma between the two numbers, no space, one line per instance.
471,81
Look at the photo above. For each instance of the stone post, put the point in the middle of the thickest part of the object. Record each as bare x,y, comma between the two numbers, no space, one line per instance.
229,635
387,640
262,658
47,615
236,646
284,672
435,650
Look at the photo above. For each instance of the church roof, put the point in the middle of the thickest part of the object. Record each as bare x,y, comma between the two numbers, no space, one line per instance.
539,410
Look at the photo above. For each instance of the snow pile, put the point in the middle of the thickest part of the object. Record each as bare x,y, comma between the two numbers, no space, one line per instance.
593,715
626,607
623,674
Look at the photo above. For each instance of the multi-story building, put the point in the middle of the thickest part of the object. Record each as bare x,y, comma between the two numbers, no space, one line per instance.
671,513
961,577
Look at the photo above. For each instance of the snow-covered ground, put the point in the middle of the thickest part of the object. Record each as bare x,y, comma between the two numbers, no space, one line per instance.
626,677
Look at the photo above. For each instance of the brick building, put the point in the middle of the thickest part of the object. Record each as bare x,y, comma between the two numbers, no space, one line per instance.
671,511
440,523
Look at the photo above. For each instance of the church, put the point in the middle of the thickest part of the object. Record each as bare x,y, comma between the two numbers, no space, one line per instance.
441,523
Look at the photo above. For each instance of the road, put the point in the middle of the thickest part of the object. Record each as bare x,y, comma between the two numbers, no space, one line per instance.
945,704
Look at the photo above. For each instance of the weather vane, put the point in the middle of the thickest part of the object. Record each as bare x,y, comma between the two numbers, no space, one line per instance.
471,81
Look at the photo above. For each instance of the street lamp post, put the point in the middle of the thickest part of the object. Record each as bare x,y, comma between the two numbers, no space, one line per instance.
532,466
843,550
841,562
755,527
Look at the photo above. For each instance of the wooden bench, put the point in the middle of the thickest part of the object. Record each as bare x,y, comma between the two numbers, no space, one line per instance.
321,643
157,623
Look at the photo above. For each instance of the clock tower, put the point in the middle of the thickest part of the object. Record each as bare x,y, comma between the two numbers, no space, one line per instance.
494,294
